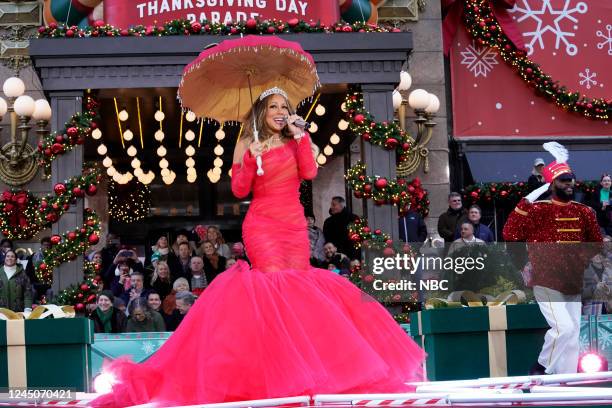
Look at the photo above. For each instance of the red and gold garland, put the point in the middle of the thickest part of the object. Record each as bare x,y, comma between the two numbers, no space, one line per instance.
75,131
387,135
402,193
186,27
23,215
484,27
82,293
510,193
66,247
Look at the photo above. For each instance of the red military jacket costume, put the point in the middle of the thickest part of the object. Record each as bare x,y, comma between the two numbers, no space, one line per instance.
557,232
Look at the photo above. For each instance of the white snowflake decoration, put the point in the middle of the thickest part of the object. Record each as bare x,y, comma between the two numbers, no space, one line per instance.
537,14
588,78
478,60
148,347
604,337
607,39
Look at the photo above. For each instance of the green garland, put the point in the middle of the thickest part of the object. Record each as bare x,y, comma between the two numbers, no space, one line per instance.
383,134
75,131
481,23
186,27
401,193
66,247
23,215
82,293
509,194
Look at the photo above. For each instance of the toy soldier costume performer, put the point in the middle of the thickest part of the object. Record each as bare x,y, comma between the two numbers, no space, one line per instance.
556,231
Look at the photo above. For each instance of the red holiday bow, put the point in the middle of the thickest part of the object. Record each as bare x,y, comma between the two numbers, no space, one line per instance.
15,205
454,12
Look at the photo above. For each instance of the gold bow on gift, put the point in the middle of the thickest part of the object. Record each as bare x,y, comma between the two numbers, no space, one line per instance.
40,312
468,298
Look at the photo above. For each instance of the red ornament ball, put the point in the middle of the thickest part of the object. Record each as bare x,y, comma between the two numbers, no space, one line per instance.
359,119
196,27
79,307
56,239
42,266
93,239
84,287
59,188
251,24
388,251
78,192
91,298
72,131
92,189
355,237
366,230
72,236
293,22
381,183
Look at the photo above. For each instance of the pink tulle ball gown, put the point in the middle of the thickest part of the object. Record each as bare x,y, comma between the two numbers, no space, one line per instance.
281,328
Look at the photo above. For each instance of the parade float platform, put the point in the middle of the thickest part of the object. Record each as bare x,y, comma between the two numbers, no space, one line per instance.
562,390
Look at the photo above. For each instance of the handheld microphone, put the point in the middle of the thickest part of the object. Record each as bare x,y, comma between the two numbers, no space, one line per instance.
301,123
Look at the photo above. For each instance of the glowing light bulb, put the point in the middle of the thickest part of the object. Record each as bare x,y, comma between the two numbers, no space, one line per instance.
343,124
343,107
190,151
135,163
313,127
102,150
220,134
328,150
334,139
163,164
159,116
123,115
320,110
128,135
218,162
107,162
131,151
117,177
165,172
96,134
138,172
190,162
190,116
216,171
321,159
229,172
189,135
192,178
159,136
218,150
167,180
191,170
111,171
161,151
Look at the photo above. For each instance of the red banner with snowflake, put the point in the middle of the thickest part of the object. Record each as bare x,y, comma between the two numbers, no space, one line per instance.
572,42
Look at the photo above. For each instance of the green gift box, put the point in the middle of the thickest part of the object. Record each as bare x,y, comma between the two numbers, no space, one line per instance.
474,342
138,346
46,353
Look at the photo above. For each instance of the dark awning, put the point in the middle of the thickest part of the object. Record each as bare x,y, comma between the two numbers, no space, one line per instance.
515,166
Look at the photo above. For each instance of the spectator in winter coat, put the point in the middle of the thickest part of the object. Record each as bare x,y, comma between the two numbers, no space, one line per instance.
412,228
481,231
15,286
106,318
335,228
452,218
143,319
536,179
601,202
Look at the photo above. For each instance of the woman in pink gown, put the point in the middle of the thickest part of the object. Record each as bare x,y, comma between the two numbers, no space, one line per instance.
281,328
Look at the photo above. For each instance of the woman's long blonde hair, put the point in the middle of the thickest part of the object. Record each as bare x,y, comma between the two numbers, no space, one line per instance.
156,272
